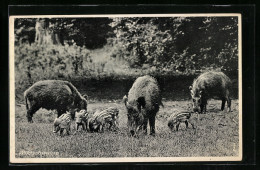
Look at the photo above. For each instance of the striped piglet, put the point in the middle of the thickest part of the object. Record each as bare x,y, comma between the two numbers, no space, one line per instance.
82,119
177,118
99,120
61,123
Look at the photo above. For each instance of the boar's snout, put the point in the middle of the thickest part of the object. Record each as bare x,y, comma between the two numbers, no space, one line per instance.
78,120
56,129
196,109
132,132
29,118
170,125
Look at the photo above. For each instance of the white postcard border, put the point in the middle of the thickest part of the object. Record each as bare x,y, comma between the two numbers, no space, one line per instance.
12,157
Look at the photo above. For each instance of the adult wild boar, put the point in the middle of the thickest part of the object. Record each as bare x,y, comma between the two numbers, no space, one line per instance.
209,85
142,104
53,95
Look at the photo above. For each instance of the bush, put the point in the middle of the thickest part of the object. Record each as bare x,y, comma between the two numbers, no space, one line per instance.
82,66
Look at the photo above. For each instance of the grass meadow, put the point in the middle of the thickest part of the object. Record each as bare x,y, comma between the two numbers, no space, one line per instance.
216,134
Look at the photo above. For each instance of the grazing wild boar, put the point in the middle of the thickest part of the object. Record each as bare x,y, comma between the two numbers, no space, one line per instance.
81,119
209,85
53,95
142,104
176,119
99,120
61,123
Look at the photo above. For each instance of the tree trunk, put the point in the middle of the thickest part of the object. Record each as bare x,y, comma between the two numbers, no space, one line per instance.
43,34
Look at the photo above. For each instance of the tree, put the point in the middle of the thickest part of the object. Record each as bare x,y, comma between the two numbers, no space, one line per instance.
89,32
24,29
143,41
212,42
45,32
182,44
178,43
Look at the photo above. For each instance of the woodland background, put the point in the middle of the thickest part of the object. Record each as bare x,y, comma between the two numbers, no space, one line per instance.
103,56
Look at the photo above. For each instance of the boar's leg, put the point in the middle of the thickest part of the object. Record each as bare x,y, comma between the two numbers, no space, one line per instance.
84,125
203,105
77,126
61,132
145,126
110,126
186,123
152,124
68,130
228,101
223,104
229,104
203,108
30,113
59,111
87,126
192,125
177,126
102,128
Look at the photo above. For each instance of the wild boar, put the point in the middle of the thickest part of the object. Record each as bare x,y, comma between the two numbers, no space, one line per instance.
53,95
142,104
176,119
100,119
62,123
81,119
209,85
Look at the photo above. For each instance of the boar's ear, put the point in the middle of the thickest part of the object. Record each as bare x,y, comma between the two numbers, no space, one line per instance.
85,96
125,100
201,92
83,105
57,121
191,91
140,102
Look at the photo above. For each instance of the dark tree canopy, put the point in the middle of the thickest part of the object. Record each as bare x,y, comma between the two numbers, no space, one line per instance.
89,32
179,43
163,45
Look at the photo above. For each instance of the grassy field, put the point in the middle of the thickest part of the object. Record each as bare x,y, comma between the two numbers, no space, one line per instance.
215,135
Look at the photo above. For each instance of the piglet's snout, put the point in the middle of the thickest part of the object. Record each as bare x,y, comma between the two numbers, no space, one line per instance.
78,121
132,132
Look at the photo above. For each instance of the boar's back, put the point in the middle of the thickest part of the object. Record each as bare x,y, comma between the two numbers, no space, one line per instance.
50,94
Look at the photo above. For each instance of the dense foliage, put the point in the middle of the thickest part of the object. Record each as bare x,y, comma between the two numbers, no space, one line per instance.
179,44
89,32
85,48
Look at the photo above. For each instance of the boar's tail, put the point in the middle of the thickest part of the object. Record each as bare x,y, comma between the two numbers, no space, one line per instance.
161,104
26,103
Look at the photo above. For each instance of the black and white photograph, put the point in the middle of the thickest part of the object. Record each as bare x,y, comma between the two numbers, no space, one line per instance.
125,88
